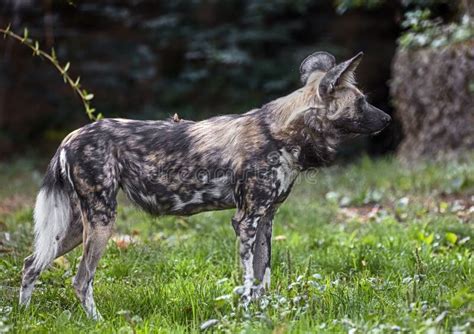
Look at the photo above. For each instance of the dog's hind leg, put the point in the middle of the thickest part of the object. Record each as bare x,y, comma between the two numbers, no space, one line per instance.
98,220
57,230
95,243
31,271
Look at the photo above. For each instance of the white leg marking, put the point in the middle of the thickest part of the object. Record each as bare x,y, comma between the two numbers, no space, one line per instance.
266,278
25,294
249,275
89,304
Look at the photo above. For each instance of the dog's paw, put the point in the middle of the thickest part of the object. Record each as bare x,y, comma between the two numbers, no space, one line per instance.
97,316
251,294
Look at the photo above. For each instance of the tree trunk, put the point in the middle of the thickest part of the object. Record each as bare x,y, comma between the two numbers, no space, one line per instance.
467,7
433,93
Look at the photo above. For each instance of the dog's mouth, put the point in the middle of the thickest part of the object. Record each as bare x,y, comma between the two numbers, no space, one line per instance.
383,128
377,132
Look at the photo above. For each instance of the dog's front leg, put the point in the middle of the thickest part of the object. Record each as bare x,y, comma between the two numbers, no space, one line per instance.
255,252
263,253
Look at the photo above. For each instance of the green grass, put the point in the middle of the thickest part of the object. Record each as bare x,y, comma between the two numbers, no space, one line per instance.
373,247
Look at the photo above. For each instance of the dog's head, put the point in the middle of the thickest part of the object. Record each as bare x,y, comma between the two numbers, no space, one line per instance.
346,107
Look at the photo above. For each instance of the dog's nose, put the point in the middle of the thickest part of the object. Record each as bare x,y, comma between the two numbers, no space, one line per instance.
387,119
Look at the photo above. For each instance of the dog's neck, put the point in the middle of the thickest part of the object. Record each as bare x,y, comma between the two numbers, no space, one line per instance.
299,120
316,137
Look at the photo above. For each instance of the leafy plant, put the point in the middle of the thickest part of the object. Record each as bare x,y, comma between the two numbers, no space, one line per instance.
84,95
421,30
425,32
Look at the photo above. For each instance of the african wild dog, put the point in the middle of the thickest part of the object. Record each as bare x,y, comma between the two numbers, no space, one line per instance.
176,167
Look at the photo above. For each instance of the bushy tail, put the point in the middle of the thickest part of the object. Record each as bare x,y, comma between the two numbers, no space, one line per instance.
52,213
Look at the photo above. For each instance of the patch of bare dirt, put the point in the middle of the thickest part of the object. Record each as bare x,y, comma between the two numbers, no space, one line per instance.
365,212
462,205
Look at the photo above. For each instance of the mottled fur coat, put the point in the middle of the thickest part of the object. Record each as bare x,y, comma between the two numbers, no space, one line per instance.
178,167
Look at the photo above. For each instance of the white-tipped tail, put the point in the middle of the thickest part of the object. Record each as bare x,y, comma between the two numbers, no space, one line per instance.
52,216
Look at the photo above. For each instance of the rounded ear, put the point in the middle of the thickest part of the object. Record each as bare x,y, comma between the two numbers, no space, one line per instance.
318,61
344,72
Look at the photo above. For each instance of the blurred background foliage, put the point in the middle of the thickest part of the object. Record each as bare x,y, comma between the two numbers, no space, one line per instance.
151,59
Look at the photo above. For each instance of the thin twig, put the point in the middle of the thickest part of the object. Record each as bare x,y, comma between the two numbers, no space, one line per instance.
85,96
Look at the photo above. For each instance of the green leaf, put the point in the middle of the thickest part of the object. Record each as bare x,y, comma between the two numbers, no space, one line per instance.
66,67
25,34
427,239
88,97
443,206
451,237
7,30
36,50
461,298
